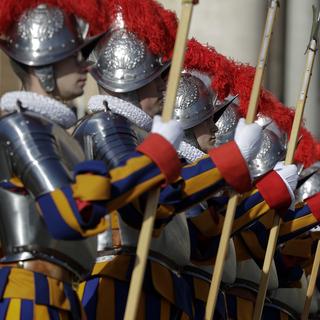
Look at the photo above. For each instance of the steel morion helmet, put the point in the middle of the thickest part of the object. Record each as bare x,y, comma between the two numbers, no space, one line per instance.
227,124
44,35
123,62
310,178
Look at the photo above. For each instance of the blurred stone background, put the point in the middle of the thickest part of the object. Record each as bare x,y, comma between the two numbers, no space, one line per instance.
234,28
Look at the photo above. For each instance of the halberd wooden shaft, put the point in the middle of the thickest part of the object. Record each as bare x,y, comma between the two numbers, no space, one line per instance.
233,201
153,196
312,284
273,238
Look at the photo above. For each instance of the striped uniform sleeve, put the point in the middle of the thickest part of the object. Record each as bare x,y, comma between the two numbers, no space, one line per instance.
222,166
255,238
294,223
301,250
252,206
205,227
76,211
305,217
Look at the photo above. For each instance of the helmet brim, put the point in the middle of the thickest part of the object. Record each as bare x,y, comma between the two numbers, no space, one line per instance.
124,87
86,47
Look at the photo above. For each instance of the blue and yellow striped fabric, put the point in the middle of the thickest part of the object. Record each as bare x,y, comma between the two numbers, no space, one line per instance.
201,179
200,290
165,295
250,208
27,295
297,222
205,225
294,223
96,194
241,308
289,270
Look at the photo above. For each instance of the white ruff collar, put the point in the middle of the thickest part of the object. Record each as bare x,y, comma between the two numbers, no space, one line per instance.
140,119
122,108
50,108
189,152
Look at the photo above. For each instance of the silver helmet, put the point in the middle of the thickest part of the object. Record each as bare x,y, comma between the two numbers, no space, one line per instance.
123,62
272,150
45,35
309,182
195,102
227,124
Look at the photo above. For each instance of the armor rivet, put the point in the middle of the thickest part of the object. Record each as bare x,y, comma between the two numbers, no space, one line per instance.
16,45
50,48
152,65
73,41
8,143
34,251
63,45
20,249
11,154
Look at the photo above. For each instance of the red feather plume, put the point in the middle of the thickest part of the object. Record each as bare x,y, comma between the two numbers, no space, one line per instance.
230,77
148,20
89,10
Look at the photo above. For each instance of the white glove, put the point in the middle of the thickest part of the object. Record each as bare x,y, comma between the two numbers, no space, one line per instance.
171,130
248,137
289,175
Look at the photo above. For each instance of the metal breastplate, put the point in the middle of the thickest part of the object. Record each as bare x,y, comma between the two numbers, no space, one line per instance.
23,232
106,136
110,137
230,267
249,270
293,297
173,242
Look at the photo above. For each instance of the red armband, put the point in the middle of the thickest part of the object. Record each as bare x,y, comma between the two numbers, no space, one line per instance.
274,191
232,166
163,154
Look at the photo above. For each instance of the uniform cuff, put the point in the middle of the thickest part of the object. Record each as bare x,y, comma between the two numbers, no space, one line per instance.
163,154
274,191
232,166
314,205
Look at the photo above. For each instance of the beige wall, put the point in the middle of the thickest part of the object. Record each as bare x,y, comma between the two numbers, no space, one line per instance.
8,81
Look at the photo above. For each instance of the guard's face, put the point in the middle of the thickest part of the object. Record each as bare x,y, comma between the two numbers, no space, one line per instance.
151,97
205,134
71,77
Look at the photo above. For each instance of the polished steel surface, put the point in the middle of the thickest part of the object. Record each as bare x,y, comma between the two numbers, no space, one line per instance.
311,186
112,137
227,124
194,103
43,36
42,155
271,151
123,63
